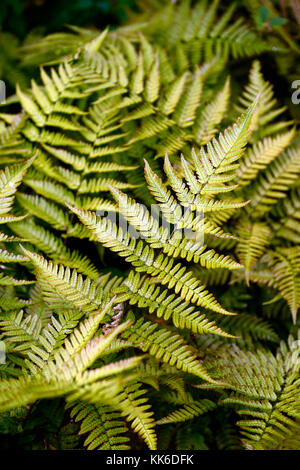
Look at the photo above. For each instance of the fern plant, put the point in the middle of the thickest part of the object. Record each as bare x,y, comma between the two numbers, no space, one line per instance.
149,242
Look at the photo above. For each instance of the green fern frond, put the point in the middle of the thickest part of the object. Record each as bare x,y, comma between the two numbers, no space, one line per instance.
188,412
44,210
212,115
58,380
134,407
143,259
173,245
266,391
288,214
6,257
165,346
10,178
104,426
10,281
61,286
54,247
279,177
209,225
255,239
286,268
261,155
146,294
266,110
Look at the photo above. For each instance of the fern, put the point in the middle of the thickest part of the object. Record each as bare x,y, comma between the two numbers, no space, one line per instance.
149,259
187,412
267,403
104,427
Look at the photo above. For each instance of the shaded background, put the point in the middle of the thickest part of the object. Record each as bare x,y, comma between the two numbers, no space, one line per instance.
22,21
21,16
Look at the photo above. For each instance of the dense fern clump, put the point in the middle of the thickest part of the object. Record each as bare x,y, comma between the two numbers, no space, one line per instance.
149,244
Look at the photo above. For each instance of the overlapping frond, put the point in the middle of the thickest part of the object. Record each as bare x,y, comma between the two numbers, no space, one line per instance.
62,287
188,412
130,349
10,178
275,182
267,110
285,264
103,425
265,390
166,346
255,239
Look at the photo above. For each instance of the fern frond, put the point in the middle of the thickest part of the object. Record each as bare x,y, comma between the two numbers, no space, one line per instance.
212,115
214,166
10,178
58,380
188,412
279,177
173,245
165,346
21,330
142,257
6,257
10,281
61,286
51,190
287,225
286,268
261,155
54,247
255,239
45,210
134,407
104,426
266,110
146,294
266,391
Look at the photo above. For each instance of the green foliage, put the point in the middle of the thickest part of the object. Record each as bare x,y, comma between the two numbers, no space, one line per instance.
149,241
266,395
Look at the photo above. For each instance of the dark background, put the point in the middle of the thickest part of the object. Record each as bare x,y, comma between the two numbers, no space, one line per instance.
23,21
21,16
